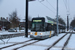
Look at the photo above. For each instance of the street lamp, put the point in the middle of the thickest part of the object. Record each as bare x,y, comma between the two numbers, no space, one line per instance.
26,24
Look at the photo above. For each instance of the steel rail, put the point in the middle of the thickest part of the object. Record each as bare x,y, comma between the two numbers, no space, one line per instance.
15,44
56,41
25,45
66,41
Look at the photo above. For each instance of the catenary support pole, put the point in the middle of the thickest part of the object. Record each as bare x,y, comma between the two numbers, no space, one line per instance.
57,19
67,23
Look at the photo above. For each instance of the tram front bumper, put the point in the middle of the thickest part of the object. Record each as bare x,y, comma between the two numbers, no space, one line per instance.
38,37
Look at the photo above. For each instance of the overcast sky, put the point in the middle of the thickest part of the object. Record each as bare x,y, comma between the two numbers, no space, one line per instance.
45,8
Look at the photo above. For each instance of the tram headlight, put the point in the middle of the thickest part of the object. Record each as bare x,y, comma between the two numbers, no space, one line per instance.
40,33
31,33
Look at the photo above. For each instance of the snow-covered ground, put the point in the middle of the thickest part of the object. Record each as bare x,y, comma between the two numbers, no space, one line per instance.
42,45
70,31
6,32
18,31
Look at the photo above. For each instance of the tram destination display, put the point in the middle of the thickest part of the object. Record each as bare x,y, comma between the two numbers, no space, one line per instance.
37,20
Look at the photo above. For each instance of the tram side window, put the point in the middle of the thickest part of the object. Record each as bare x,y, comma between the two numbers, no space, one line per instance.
48,27
55,27
32,25
52,27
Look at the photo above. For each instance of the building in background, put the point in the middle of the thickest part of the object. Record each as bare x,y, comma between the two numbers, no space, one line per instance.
4,24
22,24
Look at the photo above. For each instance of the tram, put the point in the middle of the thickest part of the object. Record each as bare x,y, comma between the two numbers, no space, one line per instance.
43,27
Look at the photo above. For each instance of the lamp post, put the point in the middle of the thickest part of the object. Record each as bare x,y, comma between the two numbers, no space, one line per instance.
26,24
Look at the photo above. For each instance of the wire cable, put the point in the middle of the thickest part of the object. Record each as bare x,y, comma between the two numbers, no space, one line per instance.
46,6
68,7
65,4
51,5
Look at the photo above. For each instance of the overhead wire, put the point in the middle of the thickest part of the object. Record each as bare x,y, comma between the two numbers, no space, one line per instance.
46,6
65,4
68,7
50,4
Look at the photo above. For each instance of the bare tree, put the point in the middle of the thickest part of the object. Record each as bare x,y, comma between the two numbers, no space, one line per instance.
73,23
61,21
13,18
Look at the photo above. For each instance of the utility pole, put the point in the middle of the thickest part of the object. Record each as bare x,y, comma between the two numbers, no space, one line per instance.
67,22
26,22
57,19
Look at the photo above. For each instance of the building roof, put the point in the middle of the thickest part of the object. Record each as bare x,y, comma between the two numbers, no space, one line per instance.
4,20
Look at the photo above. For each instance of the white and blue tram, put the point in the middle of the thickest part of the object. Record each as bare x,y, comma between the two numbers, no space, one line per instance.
43,27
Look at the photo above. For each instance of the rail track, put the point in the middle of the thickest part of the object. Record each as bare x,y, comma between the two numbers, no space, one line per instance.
25,43
15,44
66,42
59,40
